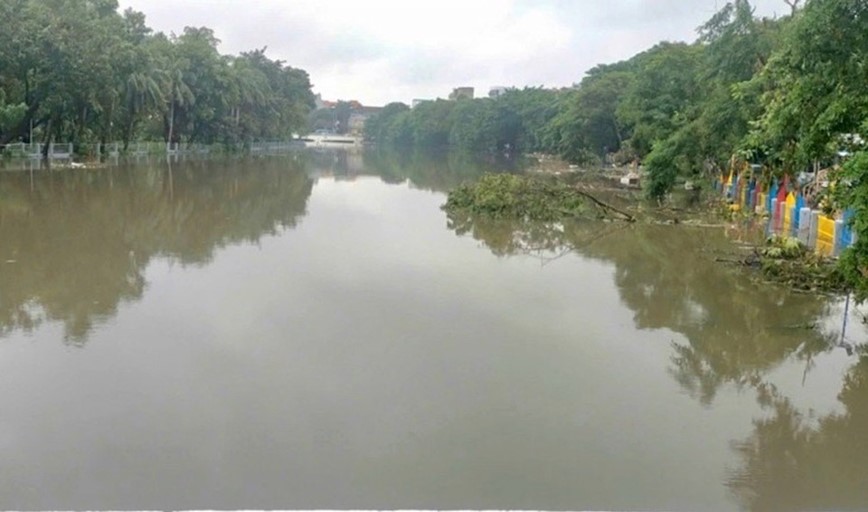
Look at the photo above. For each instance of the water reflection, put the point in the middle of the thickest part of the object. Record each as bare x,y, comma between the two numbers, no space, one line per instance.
423,170
736,333
437,172
76,243
402,367
795,461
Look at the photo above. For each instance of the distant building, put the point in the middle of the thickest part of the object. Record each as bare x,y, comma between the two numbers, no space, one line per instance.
356,123
320,103
461,93
340,116
359,116
497,91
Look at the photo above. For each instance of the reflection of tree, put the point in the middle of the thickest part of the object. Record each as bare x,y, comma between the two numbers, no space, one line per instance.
505,237
339,162
788,464
426,170
735,331
78,242
433,171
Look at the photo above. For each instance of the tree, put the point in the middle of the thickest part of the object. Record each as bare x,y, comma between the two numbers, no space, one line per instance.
179,96
287,98
662,95
85,73
814,82
813,96
10,115
587,126
516,120
377,126
532,108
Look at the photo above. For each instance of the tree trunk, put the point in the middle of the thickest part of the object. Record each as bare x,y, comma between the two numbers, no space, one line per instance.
171,126
47,140
128,134
108,128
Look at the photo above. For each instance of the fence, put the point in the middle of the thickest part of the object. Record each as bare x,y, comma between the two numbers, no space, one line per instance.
112,149
60,150
98,150
789,213
22,149
34,150
274,147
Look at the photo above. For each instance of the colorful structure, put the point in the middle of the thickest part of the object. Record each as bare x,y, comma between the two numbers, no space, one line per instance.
788,213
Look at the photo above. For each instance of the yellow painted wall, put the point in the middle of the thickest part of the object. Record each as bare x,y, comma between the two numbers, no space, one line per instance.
826,236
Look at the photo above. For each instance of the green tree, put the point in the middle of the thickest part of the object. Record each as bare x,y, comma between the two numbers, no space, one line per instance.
180,96
815,83
10,115
814,95
483,125
527,113
662,95
86,73
430,123
377,126
587,128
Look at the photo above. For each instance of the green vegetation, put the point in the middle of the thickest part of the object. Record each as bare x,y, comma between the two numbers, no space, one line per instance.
787,93
516,120
510,196
779,92
854,262
79,71
785,260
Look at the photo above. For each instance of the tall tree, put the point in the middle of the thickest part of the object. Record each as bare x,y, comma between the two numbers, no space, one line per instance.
86,73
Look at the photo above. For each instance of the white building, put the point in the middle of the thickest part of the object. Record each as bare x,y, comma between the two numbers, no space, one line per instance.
497,91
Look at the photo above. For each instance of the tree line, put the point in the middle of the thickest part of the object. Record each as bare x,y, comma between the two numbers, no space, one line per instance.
80,71
515,120
788,93
776,91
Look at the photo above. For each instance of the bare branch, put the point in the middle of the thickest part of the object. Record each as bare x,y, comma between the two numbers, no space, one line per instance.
794,5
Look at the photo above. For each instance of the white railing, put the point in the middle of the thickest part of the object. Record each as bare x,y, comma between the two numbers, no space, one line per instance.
60,150
32,150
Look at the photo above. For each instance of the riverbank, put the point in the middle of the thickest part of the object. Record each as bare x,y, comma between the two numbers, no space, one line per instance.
550,194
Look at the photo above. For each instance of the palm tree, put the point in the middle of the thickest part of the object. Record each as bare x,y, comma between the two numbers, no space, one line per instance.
179,95
141,91
250,90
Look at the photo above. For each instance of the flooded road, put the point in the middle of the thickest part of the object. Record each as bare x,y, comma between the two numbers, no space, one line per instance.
314,332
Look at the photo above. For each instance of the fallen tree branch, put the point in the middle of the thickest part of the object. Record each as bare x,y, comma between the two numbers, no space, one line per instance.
730,260
607,206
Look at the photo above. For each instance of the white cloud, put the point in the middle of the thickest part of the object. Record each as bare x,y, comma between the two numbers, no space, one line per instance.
384,50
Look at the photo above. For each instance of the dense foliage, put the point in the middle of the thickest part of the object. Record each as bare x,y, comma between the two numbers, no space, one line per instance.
774,91
788,93
79,71
522,197
516,120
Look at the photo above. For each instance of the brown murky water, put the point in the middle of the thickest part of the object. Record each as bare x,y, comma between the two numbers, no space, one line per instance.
314,332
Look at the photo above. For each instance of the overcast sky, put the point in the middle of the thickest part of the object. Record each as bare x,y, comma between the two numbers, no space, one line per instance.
377,51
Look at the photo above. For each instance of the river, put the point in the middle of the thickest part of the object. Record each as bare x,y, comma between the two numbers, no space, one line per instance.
313,331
